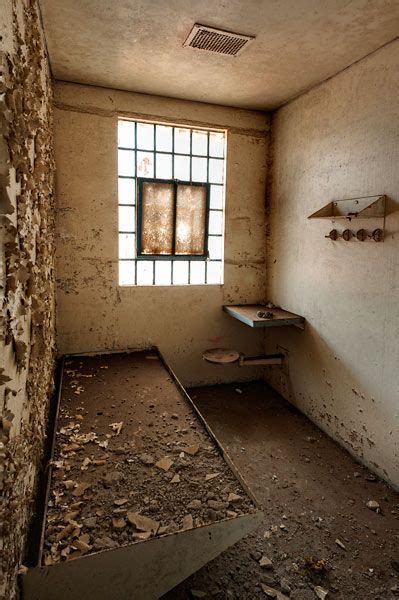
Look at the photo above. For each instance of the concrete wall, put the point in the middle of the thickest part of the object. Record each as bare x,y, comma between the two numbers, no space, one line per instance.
26,271
93,312
340,140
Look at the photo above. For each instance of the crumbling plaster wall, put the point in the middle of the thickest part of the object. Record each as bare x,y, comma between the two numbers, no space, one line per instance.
93,312
26,271
340,140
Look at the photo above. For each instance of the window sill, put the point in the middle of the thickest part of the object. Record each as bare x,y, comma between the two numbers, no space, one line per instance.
167,285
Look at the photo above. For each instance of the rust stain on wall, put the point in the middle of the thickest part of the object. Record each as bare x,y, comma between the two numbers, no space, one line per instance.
26,270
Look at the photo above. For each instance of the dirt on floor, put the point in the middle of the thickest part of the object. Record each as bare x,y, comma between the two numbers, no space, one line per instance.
132,460
330,528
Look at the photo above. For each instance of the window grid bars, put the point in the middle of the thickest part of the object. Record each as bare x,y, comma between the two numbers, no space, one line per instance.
172,153
173,176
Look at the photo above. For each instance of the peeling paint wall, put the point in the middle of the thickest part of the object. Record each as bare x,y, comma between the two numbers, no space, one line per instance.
93,312
26,270
340,140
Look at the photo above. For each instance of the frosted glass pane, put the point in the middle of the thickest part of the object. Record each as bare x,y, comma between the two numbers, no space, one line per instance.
126,164
127,248
182,168
164,166
216,199
180,272
182,140
126,134
145,272
163,272
126,272
157,218
215,246
197,272
164,138
215,222
127,218
199,142
198,169
216,170
214,274
145,164
216,144
126,191
145,136
190,219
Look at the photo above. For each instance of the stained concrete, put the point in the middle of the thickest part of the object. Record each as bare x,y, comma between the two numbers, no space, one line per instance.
26,271
313,495
93,312
340,140
138,45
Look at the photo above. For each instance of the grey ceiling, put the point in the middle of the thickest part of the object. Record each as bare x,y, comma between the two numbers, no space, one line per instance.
137,45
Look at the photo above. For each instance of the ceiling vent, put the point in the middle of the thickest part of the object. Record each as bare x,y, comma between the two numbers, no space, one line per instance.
217,40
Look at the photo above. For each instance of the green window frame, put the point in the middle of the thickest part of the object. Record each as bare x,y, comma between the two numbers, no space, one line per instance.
173,256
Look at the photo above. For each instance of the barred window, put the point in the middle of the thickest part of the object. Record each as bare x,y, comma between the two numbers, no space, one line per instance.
171,204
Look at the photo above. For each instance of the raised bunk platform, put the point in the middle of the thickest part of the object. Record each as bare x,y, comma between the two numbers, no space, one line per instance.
140,493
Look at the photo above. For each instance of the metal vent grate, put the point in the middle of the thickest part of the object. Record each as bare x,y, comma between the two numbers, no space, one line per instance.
217,40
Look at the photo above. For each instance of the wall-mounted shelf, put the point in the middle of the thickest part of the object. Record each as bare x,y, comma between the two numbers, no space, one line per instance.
254,315
248,314
366,207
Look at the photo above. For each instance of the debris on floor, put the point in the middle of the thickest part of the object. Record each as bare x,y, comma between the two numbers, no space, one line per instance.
132,460
373,505
332,545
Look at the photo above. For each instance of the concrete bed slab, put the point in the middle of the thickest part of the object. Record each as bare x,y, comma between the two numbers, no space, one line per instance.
133,465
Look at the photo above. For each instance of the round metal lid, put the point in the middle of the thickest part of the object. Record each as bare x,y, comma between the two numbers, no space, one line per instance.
221,355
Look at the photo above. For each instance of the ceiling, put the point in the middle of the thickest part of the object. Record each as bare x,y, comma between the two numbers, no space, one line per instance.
137,45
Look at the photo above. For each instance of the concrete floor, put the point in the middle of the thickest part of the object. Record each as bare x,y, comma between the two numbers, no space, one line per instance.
317,529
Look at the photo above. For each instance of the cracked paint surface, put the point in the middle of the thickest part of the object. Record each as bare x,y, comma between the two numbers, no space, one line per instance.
26,271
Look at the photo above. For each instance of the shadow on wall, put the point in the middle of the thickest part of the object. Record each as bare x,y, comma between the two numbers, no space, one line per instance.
391,205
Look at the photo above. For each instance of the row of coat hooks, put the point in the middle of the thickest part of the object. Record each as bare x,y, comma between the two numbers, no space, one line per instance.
361,235
352,210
